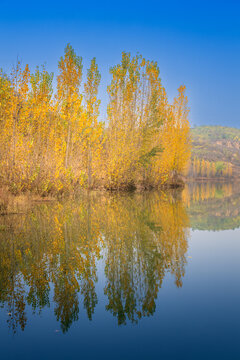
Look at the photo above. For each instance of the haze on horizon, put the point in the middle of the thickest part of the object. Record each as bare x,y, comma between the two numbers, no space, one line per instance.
194,44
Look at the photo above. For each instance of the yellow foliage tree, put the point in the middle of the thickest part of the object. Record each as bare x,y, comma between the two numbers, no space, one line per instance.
55,142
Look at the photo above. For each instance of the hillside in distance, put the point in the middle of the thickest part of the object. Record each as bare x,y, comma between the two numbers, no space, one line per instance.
218,147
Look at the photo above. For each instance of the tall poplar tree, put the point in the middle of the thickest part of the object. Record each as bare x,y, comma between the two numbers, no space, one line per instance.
92,112
69,97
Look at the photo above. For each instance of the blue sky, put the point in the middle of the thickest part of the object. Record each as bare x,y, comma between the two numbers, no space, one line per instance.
196,43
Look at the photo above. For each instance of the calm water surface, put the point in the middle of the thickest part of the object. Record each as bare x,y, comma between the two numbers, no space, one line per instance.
152,276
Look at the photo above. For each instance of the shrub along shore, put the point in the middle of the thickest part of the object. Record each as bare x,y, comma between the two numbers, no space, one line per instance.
52,142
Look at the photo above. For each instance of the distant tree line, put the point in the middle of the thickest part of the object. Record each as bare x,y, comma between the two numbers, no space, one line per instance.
210,169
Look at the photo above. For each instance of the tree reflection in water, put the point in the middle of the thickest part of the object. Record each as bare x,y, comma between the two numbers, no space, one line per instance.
213,206
140,237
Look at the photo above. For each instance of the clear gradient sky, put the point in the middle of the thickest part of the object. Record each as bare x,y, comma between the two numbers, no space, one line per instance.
196,43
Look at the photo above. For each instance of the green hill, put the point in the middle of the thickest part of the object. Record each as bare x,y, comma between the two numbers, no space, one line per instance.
217,144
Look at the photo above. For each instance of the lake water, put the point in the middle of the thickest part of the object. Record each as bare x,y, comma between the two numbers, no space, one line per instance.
134,276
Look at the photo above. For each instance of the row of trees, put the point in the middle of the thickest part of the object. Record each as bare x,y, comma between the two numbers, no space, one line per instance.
53,141
209,169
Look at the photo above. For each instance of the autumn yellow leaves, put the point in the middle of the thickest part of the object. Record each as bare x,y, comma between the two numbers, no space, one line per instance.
210,169
53,142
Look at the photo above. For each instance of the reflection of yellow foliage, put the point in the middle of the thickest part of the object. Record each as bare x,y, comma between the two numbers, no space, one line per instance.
140,238
203,191
146,240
